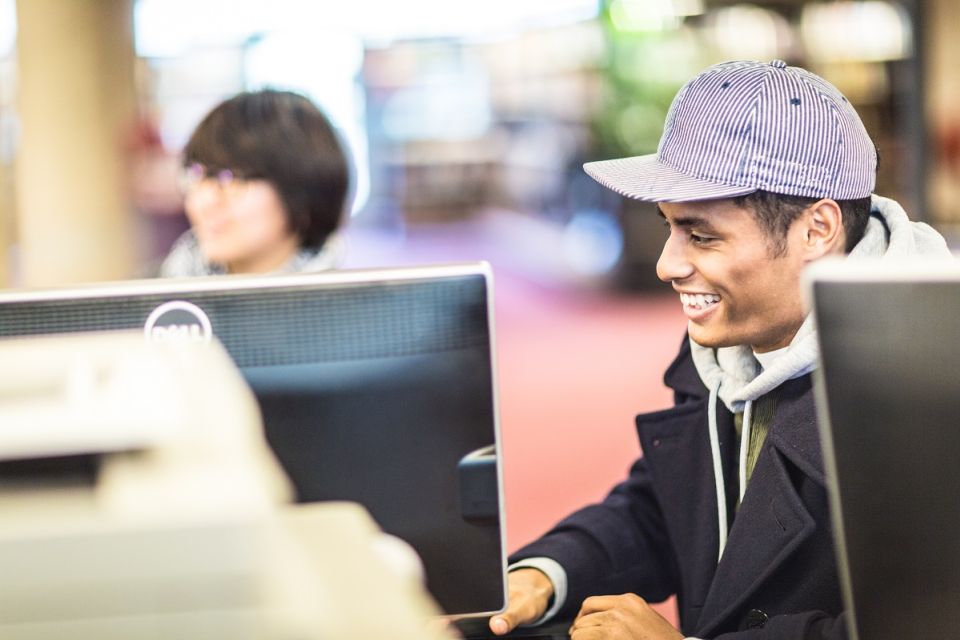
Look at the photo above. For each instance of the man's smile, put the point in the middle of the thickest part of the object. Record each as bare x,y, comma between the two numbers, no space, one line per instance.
698,301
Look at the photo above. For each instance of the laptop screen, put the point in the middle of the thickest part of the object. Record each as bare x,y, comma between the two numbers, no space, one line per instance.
375,386
889,394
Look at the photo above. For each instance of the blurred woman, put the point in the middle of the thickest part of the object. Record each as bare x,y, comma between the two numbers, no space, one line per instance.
265,183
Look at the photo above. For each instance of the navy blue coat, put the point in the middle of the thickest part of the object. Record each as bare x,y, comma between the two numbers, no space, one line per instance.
656,534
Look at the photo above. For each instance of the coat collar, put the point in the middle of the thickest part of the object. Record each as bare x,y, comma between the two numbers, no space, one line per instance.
682,376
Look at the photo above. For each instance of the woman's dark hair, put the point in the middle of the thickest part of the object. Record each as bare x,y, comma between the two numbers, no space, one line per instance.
776,212
283,138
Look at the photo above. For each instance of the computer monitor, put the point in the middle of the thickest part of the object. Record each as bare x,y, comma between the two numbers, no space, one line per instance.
889,399
375,386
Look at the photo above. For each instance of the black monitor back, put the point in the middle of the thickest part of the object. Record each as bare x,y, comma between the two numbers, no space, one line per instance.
889,393
375,386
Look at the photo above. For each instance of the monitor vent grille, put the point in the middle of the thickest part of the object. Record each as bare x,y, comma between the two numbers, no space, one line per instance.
293,325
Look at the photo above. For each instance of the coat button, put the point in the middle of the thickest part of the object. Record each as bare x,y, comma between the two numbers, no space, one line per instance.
755,619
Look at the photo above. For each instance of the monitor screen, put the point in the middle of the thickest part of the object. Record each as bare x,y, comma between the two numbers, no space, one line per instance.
375,386
889,397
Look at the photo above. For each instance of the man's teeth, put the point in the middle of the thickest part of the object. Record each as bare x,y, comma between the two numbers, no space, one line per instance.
698,300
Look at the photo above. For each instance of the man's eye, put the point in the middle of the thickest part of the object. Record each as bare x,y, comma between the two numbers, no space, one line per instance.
698,239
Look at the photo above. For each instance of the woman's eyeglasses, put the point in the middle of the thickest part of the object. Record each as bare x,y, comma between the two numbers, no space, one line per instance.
227,182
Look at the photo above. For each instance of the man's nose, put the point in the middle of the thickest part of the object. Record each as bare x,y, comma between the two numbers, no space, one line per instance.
673,264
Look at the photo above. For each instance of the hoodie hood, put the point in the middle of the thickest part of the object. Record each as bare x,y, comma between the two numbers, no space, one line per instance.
737,376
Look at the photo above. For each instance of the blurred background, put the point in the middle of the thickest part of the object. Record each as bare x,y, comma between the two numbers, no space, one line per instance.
467,124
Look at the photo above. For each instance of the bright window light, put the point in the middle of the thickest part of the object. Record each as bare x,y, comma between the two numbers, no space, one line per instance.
748,32
8,27
168,27
869,31
324,67
651,15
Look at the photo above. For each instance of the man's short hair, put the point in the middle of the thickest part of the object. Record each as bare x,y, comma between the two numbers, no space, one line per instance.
775,213
283,138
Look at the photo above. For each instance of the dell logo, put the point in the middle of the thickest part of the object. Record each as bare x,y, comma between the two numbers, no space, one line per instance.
178,321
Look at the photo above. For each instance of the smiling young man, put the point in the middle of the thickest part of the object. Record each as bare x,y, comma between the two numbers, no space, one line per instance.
761,170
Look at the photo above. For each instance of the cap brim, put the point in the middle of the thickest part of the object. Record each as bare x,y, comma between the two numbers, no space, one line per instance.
646,178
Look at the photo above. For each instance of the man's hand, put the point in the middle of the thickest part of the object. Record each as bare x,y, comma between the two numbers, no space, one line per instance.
528,593
621,617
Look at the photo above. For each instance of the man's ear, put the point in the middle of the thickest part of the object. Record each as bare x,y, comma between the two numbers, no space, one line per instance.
821,228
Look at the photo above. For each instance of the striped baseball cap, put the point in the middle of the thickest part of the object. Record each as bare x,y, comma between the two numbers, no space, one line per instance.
739,127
